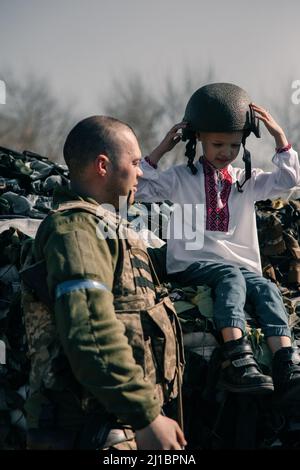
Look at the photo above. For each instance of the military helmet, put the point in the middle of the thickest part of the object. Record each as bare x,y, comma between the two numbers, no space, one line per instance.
220,107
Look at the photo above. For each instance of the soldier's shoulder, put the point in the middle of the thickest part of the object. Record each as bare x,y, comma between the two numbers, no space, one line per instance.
73,219
93,229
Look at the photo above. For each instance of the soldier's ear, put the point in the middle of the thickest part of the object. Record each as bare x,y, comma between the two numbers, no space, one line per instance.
100,164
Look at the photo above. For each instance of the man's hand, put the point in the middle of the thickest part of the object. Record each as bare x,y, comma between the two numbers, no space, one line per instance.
162,434
168,143
272,126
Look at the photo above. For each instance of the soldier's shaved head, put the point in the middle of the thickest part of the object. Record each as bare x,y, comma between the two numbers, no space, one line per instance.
93,136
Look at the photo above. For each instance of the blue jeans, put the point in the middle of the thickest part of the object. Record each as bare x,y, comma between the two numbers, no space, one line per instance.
231,286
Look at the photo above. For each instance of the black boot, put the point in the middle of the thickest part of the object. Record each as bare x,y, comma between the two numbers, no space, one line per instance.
240,372
286,374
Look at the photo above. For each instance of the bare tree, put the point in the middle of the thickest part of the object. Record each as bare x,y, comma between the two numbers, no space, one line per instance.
176,96
33,119
150,117
288,114
132,102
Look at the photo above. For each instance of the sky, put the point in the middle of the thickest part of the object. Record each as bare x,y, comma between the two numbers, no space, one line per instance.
81,46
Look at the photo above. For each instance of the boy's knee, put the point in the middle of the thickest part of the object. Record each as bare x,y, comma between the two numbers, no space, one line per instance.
234,274
266,286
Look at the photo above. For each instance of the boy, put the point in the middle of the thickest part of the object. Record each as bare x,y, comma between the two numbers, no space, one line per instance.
222,116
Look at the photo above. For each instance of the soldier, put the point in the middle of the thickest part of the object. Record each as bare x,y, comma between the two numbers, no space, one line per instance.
227,258
105,344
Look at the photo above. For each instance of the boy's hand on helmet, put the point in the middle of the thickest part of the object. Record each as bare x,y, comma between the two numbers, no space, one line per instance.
275,130
172,137
168,143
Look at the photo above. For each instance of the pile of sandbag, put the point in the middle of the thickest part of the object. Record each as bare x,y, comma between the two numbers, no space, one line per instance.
27,182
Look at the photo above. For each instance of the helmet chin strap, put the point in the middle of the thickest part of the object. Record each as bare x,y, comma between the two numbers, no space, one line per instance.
247,160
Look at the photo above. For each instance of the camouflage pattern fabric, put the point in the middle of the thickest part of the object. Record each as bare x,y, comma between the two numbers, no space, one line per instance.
152,327
151,324
278,226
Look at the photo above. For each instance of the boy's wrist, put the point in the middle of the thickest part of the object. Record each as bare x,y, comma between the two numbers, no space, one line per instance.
286,148
150,162
281,141
155,156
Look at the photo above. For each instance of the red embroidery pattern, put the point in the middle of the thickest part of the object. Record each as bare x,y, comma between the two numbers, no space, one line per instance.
217,218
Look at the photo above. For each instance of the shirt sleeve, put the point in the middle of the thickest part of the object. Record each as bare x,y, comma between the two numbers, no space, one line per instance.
155,185
285,177
80,270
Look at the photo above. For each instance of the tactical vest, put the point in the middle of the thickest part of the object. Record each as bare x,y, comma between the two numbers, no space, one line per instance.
150,321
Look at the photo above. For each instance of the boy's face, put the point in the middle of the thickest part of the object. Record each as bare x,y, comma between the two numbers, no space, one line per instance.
220,148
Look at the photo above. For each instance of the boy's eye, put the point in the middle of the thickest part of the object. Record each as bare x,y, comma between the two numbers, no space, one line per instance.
236,145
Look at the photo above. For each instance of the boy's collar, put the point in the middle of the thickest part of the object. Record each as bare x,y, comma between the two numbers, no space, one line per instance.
223,171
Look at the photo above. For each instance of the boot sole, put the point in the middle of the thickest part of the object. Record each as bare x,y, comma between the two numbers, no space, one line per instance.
262,389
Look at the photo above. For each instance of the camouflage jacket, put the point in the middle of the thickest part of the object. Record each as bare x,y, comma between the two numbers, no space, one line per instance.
93,366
